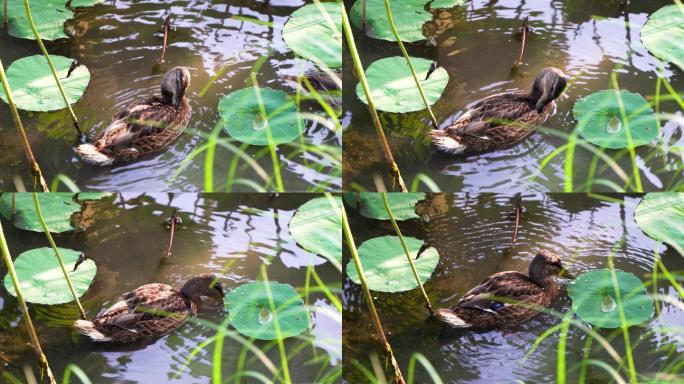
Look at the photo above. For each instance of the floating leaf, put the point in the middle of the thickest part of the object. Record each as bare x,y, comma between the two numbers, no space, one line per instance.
393,88
663,34
408,15
594,301
317,227
243,120
403,205
250,312
386,268
601,123
314,32
34,87
42,281
84,3
48,16
57,209
661,216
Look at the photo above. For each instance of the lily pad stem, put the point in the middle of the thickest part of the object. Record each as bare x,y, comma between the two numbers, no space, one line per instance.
35,168
410,65
394,168
385,201
52,68
369,298
36,203
24,308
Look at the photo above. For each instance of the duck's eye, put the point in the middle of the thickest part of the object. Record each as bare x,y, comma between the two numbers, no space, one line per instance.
495,305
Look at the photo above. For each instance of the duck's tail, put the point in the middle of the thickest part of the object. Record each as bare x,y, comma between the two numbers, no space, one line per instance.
91,155
451,319
88,328
445,143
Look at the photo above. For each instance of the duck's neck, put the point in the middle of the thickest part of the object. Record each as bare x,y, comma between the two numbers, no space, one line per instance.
539,275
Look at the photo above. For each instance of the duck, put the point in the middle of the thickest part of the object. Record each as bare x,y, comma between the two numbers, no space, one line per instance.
150,311
507,298
145,127
503,119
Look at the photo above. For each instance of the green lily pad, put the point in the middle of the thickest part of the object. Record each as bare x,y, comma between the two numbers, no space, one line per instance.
243,120
408,15
317,227
84,3
600,122
41,279
48,16
34,87
663,34
594,301
403,205
57,209
393,88
661,216
314,32
250,311
386,268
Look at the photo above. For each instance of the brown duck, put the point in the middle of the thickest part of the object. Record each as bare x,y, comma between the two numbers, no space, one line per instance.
150,311
143,128
493,302
503,119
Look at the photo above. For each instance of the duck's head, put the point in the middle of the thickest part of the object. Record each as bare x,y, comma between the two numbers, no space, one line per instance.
206,285
174,84
546,264
548,85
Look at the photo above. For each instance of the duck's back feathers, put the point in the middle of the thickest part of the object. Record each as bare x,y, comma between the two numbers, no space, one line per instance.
497,121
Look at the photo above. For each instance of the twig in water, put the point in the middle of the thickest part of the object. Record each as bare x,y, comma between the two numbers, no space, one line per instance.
4,18
518,214
525,29
74,64
81,258
433,67
363,15
166,28
172,221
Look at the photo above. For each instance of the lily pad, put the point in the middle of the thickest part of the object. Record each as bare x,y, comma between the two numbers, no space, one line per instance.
34,87
314,32
41,279
594,301
661,216
250,312
403,205
393,88
84,3
57,209
663,34
243,120
48,16
317,227
600,121
408,15
386,268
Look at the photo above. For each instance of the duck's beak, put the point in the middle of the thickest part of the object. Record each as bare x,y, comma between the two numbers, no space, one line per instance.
178,98
564,273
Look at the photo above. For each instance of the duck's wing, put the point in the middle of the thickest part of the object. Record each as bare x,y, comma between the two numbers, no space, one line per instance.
493,111
513,286
146,118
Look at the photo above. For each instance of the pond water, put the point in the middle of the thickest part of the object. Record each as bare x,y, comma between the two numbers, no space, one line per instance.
477,43
119,42
472,234
230,235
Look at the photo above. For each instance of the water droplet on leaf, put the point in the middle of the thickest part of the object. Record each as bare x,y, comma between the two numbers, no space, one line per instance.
265,316
614,125
608,304
259,123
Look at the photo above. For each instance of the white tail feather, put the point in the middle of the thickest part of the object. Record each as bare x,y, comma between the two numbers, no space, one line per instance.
450,318
90,154
88,328
446,144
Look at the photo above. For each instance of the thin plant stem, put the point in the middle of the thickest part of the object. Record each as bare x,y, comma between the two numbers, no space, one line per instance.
269,135
562,343
369,298
388,10
24,308
630,143
36,203
52,67
4,17
623,323
276,326
38,179
166,27
525,29
172,230
518,215
385,201
384,144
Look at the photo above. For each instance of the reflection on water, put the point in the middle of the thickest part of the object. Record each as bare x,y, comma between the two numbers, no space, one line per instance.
229,235
473,236
477,43
119,42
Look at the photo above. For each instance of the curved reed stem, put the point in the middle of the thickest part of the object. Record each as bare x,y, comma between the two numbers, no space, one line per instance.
24,308
52,66
35,168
